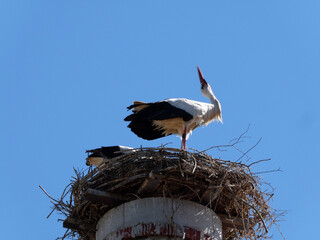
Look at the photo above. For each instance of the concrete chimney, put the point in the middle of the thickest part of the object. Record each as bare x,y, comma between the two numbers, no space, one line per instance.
159,218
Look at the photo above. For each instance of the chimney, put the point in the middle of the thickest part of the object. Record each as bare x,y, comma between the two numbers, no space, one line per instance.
159,218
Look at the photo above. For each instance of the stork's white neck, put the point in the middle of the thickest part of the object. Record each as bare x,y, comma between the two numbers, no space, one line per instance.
212,98
215,102
209,94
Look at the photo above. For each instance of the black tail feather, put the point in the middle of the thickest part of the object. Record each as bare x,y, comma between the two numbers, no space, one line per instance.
129,118
146,130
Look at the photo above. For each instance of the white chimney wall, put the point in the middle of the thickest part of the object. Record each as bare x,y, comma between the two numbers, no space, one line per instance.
159,218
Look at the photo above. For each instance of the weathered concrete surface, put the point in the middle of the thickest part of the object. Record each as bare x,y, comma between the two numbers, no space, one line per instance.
163,217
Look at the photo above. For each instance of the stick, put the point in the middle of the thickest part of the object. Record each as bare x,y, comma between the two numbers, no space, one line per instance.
249,150
48,194
253,207
263,160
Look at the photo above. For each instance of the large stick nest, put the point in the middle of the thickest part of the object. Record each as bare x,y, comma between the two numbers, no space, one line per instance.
234,192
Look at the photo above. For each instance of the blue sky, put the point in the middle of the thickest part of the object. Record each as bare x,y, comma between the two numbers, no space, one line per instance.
69,69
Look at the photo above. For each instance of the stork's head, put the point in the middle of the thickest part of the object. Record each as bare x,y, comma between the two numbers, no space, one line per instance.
205,87
207,92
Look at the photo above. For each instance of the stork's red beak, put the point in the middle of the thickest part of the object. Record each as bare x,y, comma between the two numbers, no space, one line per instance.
202,81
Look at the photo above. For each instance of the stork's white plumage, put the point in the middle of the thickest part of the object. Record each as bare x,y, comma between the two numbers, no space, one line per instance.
177,116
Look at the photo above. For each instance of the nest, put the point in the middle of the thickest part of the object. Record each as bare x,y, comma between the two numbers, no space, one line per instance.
228,188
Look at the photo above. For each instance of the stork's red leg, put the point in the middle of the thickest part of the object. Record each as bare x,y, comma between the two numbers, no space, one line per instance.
183,144
183,141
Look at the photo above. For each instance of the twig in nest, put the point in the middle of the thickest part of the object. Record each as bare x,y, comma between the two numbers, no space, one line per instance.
135,195
270,171
55,201
47,194
233,145
274,222
52,211
249,150
241,136
263,160
253,207
195,164
164,145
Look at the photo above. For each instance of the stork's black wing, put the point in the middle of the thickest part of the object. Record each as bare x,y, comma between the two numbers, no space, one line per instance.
142,121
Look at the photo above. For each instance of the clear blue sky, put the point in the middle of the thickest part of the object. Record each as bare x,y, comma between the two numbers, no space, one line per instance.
69,69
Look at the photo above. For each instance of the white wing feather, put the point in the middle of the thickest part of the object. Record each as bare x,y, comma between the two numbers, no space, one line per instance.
195,108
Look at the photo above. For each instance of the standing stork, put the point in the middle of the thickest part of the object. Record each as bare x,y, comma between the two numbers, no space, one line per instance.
177,116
